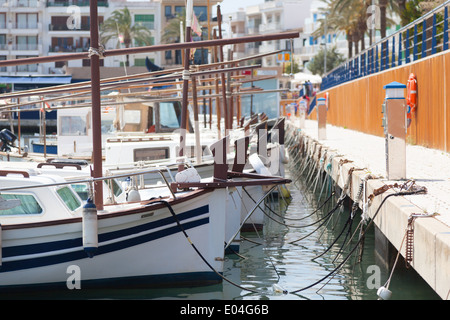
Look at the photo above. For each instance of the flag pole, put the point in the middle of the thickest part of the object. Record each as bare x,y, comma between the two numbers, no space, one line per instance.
186,78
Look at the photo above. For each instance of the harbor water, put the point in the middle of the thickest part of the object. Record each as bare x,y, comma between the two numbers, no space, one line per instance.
291,259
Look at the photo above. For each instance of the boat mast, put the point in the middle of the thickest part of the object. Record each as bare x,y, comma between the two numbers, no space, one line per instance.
94,54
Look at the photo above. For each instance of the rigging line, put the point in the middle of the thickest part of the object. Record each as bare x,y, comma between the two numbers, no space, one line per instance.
195,248
302,218
251,241
246,210
337,238
388,282
352,215
330,214
359,240
344,243
286,225
235,252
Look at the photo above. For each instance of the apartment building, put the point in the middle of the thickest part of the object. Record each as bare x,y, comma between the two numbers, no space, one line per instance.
310,45
170,9
69,30
273,17
21,24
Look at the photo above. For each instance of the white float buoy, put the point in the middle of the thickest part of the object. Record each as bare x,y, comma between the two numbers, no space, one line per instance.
384,293
278,289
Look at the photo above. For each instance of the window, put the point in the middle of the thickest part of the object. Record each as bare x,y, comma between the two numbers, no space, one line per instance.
2,20
179,10
169,115
3,69
26,42
114,185
3,45
28,205
60,64
147,20
73,126
81,189
27,67
148,154
201,12
168,11
132,116
27,20
69,198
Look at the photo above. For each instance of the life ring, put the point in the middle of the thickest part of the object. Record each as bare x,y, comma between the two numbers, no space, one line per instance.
411,96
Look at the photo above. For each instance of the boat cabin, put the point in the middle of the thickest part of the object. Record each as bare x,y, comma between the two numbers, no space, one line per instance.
149,131
32,203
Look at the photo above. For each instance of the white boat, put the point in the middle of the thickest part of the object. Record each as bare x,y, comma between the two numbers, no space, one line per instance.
139,243
49,238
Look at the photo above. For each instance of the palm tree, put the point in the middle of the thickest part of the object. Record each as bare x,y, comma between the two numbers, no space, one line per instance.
119,26
342,15
171,32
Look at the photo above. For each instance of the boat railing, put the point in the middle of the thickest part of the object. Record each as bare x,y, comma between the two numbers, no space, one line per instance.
159,163
92,180
421,38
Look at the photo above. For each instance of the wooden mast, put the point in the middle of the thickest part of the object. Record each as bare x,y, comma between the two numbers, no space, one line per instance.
96,106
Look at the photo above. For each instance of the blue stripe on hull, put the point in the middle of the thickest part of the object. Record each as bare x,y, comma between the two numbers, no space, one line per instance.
102,249
156,281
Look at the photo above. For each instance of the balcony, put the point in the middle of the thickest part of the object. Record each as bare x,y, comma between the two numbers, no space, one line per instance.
27,68
80,3
25,46
253,30
27,25
63,27
29,4
53,49
26,3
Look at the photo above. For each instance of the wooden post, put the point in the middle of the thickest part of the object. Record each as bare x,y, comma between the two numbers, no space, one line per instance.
96,106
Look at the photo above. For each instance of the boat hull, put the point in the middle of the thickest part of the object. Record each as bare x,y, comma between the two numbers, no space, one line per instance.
144,247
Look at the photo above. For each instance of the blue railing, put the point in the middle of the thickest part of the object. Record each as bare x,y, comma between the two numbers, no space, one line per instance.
423,37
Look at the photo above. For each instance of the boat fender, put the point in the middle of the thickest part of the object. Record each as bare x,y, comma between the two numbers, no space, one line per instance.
90,228
188,175
384,293
283,154
133,195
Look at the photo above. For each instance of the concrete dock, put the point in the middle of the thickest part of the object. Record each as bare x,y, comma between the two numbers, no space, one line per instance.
361,156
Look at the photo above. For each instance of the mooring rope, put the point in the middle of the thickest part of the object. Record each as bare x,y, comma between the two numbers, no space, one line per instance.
359,240
195,248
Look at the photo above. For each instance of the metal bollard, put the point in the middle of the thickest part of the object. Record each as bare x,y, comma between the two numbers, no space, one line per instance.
302,106
394,123
322,118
